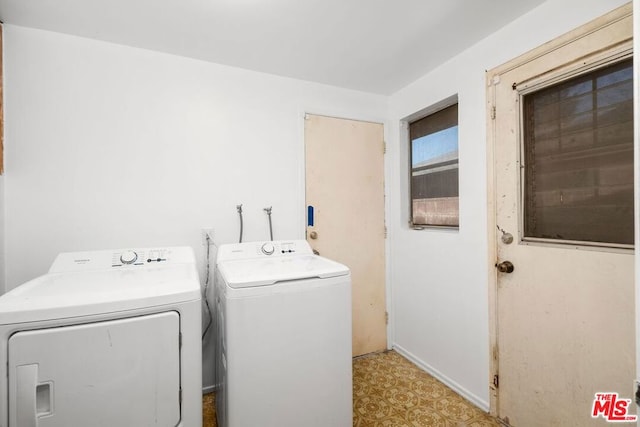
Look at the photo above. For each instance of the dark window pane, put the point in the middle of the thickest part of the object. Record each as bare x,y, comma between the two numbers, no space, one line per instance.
578,143
434,168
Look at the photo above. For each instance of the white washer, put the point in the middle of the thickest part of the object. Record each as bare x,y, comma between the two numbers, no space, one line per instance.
284,337
106,338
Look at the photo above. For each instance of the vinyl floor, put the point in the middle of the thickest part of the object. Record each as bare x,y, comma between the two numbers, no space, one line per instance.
390,391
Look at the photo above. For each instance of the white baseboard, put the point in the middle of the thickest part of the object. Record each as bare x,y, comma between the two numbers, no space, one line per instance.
480,403
208,389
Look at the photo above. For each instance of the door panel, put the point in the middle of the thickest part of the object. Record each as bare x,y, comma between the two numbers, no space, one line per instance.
564,318
345,187
122,372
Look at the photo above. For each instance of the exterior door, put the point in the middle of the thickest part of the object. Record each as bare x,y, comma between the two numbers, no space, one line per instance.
561,130
345,214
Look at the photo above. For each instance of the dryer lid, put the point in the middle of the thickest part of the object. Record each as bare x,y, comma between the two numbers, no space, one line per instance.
264,271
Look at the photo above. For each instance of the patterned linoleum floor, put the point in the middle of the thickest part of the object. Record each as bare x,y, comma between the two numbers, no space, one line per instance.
390,391
209,410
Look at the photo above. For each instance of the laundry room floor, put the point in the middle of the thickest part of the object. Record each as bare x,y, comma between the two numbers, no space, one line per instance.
390,391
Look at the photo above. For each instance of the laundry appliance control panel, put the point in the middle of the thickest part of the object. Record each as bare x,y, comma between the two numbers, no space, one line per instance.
121,258
278,248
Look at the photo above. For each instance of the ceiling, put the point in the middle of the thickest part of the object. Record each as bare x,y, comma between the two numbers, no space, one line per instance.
376,46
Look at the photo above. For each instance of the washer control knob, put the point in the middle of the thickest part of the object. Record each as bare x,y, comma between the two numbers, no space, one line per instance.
128,257
268,248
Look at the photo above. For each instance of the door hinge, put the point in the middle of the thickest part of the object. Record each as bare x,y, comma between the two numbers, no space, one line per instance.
493,112
385,231
384,147
180,340
386,317
496,381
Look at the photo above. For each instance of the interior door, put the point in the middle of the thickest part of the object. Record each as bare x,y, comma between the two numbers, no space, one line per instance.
345,214
564,297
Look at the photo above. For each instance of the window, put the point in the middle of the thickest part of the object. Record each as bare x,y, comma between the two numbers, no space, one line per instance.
578,156
434,169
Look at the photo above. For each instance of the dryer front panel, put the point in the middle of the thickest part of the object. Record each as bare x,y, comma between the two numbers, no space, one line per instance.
123,372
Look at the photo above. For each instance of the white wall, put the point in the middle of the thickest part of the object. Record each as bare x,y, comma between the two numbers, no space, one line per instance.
109,146
440,278
2,236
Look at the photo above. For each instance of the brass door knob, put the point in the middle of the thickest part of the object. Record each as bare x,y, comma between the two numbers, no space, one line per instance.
505,267
313,235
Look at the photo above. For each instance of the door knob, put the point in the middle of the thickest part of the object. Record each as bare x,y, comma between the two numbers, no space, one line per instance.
313,235
505,267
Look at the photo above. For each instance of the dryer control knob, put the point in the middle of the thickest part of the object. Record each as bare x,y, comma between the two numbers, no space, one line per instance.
268,248
128,257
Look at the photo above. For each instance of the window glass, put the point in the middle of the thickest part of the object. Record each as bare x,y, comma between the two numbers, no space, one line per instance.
578,156
434,169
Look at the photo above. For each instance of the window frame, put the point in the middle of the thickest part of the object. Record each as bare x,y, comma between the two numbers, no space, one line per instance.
1,99
525,88
406,122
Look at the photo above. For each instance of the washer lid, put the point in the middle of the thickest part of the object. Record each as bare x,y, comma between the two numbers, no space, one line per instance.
67,294
248,273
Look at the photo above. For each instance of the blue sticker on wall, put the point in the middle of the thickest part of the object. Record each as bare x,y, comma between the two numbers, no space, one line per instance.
309,216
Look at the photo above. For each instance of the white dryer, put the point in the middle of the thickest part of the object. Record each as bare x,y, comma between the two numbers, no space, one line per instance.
284,337
106,338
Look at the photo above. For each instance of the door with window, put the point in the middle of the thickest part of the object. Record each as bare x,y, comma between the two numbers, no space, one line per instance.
561,129
344,161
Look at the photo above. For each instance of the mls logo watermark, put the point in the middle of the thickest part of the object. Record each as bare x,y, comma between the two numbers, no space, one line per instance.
612,408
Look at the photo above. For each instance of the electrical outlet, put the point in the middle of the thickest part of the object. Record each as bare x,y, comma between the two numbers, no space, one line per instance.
207,232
